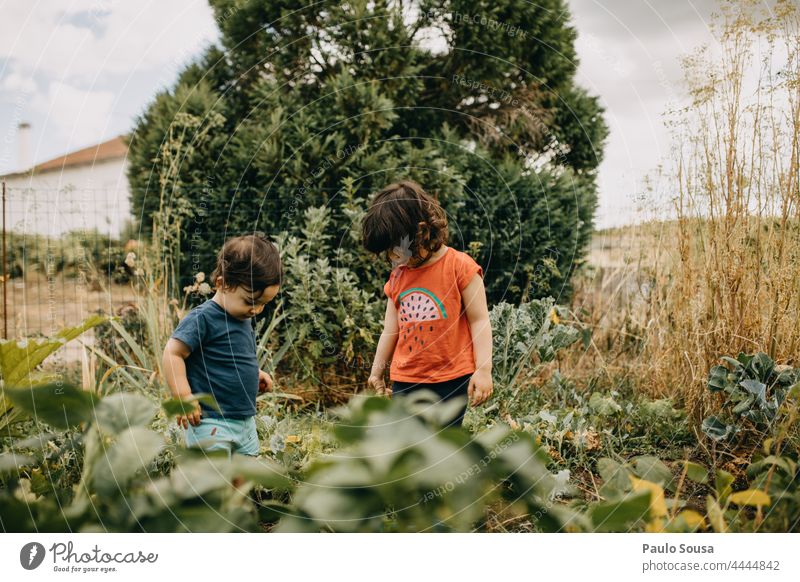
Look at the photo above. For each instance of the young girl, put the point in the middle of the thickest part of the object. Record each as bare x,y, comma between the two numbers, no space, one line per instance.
436,329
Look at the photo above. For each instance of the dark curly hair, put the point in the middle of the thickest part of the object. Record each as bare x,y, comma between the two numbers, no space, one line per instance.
404,210
250,261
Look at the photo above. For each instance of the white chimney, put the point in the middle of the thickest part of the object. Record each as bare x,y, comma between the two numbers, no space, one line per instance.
24,146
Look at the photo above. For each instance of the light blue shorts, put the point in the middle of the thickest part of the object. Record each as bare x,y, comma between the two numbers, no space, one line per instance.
225,434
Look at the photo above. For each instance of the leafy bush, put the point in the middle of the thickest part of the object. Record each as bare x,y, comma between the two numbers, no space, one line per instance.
89,254
779,477
432,116
330,315
754,389
524,339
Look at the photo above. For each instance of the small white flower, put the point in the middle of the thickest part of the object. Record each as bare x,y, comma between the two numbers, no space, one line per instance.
204,289
200,277
139,273
561,485
130,260
277,444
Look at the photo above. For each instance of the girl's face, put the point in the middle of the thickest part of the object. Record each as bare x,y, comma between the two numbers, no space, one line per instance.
243,303
400,257
401,254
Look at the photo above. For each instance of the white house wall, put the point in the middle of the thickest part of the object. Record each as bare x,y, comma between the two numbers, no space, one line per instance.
77,198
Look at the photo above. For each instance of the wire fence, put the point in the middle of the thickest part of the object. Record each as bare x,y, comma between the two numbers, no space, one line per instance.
64,251
63,256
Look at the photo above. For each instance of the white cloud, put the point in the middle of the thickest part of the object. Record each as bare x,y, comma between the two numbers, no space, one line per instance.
17,82
79,116
72,67
82,40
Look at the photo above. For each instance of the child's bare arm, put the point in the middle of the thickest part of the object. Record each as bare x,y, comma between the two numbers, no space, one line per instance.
385,350
174,366
474,296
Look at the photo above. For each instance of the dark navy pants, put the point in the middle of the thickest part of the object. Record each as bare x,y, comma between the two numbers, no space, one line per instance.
457,387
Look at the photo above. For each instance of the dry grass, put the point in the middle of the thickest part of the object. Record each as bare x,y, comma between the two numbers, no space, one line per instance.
667,299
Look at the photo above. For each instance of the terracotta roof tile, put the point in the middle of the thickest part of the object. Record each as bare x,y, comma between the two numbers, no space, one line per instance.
113,148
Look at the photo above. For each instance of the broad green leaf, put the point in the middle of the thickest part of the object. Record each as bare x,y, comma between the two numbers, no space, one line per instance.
622,515
19,357
695,472
658,507
717,378
716,429
59,405
756,388
762,365
195,476
176,406
733,362
652,469
615,476
260,471
133,450
785,464
722,484
749,497
124,410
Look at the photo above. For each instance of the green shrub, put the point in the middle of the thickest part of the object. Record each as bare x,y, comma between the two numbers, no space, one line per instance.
517,175
330,316
74,254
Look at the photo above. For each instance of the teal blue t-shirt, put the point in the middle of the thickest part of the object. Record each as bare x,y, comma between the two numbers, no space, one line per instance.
222,361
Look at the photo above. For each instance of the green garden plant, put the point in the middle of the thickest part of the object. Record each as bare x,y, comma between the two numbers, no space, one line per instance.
122,487
19,360
524,339
398,470
753,388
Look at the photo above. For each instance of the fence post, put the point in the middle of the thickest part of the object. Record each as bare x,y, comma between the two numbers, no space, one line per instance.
5,271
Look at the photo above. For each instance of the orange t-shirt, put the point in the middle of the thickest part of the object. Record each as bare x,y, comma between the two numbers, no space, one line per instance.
434,342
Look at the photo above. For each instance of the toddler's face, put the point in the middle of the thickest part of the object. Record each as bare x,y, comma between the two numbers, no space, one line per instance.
243,303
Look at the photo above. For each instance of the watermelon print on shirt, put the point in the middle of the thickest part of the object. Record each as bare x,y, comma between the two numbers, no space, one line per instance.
434,342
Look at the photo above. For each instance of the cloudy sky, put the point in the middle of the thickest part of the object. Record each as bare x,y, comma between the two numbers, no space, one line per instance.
81,70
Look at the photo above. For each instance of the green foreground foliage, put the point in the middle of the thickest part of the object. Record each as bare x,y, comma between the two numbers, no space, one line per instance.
552,458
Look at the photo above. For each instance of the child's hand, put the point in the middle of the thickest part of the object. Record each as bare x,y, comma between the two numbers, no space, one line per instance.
480,387
193,418
376,382
264,382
